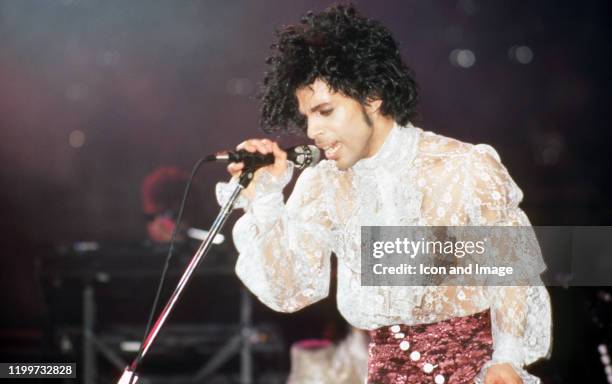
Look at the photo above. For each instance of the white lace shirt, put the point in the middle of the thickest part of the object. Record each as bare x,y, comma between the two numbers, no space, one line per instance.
416,178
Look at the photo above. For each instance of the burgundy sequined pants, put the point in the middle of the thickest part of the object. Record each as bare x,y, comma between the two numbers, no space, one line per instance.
447,352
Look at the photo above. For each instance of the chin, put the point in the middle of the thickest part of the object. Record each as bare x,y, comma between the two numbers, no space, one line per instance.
343,165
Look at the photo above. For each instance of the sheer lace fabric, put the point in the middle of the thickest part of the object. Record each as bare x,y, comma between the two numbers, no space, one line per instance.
416,178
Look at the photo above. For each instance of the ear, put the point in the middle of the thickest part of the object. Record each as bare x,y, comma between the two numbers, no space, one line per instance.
372,105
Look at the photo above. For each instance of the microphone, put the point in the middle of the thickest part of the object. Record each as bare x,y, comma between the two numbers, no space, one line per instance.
302,156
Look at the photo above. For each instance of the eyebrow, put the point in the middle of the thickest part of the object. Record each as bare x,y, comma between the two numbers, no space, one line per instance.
319,106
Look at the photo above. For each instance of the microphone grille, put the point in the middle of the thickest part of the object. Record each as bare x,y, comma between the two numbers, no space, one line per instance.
305,156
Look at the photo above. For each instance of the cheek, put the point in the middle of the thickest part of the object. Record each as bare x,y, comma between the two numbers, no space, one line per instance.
350,128
359,134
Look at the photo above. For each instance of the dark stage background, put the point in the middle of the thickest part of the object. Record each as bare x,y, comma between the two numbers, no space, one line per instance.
94,95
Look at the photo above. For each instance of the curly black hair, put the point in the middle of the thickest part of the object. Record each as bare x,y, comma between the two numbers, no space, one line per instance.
354,55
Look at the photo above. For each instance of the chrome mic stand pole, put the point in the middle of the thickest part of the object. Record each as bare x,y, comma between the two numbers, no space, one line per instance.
129,375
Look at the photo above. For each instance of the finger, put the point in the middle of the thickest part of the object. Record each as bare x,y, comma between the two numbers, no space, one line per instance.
261,146
247,146
254,145
235,168
268,144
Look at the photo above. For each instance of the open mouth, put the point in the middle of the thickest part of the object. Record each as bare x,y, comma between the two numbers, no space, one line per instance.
331,151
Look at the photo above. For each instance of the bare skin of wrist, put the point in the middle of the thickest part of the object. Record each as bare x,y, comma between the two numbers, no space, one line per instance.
502,374
263,146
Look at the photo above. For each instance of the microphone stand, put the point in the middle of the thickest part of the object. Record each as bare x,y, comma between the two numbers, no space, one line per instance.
129,375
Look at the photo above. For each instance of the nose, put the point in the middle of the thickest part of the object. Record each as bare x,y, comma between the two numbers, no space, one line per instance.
313,129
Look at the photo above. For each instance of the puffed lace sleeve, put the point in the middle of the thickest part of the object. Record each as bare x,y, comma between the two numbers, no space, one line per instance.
520,315
284,249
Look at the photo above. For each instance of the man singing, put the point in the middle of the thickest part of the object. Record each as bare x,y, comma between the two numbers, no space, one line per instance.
339,77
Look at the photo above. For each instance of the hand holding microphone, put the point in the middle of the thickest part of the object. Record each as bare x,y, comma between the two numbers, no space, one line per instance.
265,154
265,147
255,154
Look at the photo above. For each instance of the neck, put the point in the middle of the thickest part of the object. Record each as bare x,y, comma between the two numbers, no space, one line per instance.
380,130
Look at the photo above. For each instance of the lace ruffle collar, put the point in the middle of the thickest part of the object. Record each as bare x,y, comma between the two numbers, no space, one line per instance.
399,148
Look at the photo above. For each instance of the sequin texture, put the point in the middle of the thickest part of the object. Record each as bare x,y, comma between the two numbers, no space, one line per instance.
457,348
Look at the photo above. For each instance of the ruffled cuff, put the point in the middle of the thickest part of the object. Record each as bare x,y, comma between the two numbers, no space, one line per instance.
265,185
525,376
223,191
268,183
508,348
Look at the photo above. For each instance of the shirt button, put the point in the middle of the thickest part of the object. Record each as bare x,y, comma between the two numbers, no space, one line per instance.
428,368
399,335
404,345
395,328
439,379
414,356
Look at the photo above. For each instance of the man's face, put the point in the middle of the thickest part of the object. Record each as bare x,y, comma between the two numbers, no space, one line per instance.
338,124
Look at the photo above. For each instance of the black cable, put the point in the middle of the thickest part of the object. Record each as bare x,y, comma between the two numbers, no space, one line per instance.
168,258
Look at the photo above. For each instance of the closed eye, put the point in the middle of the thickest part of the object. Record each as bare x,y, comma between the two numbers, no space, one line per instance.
326,112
